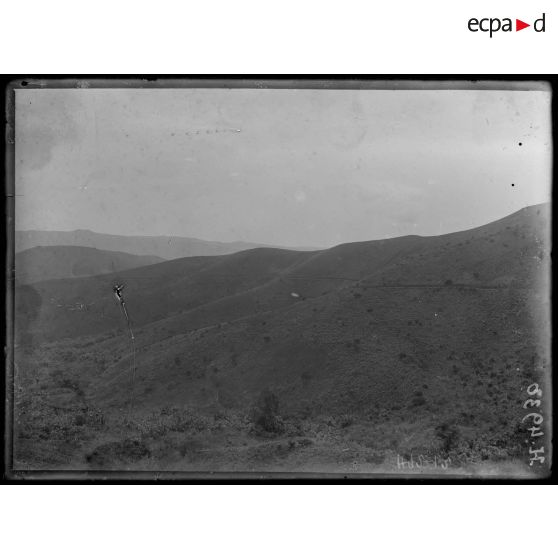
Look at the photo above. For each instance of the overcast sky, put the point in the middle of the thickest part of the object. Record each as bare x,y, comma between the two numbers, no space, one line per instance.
282,167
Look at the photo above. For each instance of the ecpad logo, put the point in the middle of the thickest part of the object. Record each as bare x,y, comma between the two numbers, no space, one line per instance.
493,25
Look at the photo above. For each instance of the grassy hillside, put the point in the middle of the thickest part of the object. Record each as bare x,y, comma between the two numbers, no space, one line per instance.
60,262
341,360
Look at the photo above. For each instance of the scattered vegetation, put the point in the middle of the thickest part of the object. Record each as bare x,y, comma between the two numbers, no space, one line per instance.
125,451
265,414
448,435
346,420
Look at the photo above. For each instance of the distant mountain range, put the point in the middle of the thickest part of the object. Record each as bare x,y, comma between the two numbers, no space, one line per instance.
165,247
62,262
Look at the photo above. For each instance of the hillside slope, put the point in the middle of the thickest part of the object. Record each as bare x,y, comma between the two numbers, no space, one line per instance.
380,348
435,312
63,262
198,292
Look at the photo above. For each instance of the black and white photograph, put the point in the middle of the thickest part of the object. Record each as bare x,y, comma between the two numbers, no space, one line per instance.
262,278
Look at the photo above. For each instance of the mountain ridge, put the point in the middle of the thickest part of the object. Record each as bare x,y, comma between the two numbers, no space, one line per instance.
481,256
165,247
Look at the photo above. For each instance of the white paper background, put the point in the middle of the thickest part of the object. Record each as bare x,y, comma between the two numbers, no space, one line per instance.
275,36
277,521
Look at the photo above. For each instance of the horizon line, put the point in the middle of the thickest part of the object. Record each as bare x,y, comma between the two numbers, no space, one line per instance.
266,245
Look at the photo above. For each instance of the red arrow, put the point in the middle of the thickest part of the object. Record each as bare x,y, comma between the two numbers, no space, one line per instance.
519,25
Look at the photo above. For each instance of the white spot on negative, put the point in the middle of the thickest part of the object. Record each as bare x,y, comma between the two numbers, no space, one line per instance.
300,196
